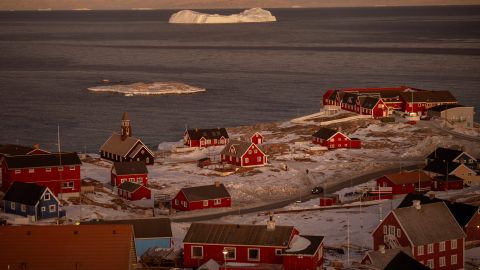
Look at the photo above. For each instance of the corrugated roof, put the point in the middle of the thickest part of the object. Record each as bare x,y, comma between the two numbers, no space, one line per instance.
315,242
236,148
42,160
441,108
444,154
432,223
440,167
408,177
324,133
208,192
93,247
126,168
24,193
428,96
143,228
209,134
349,98
129,186
381,260
403,261
369,102
14,150
116,145
235,234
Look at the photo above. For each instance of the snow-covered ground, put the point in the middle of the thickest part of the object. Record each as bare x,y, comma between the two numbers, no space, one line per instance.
247,16
156,88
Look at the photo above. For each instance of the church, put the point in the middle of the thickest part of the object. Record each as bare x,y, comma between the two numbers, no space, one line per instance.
125,148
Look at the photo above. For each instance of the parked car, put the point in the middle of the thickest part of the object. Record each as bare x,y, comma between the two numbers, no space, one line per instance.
317,190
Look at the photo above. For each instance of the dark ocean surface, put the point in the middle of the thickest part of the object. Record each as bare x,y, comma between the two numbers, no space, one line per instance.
253,72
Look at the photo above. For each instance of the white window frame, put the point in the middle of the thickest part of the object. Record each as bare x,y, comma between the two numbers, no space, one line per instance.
31,170
184,203
247,160
217,201
52,208
391,229
12,205
254,259
176,201
72,168
46,197
420,250
131,179
399,233
385,229
441,261
18,171
139,180
194,256
441,246
60,169
278,251
23,208
228,253
43,208
48,169
430,263
249,152
259,159
453,244
255,151
205,202
429,248
453,259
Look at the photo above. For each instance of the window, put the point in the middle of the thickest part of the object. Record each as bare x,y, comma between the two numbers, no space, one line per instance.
420,250
255,151
139,179
259,159
430,263
391,229
384,229
209,141
430,248
197,252
184,204
442,246
31,170
217,201
231,253
254,254
278,252
72,168
48,169
247,160
23,207
453,244
43,208
123,180
46,197
131,179
442,261
399,233
332,140
205,203
68,184
453,259
249,152
52,208
176,201
18,171
60,169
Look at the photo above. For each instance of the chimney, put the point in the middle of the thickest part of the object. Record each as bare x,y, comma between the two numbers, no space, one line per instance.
271,223
417,205
217,183
381,248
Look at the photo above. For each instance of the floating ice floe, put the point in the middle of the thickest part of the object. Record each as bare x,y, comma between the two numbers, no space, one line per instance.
247,16
156,88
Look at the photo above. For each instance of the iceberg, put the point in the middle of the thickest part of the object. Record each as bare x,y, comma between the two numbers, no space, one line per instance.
247,16
155,88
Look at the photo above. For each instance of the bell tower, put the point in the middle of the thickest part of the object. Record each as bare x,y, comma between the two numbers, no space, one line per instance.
126,128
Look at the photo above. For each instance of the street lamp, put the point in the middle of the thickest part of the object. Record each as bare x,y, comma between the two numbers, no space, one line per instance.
225,252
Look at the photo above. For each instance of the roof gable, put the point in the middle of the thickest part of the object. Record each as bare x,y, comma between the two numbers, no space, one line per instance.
237,148
440,167
42,160
444,154
325,133
408,177
25,193
126,168
116,145
310,250
208,192
129,186
209,134
427,96
235,234
370,102
403,261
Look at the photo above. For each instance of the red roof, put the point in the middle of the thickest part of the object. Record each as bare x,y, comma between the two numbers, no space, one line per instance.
66,247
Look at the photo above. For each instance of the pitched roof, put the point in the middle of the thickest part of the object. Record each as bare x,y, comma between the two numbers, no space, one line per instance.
208,192
324,133
126,168
443,107
333,96
440,167
89,246
240,148
42,160
408,177
116,145
349,98
129,186
15,150
432,223
143,228
444,154
381,260
403,261
235,234
370,102
428,96
213,133
462,212
315,242
24,193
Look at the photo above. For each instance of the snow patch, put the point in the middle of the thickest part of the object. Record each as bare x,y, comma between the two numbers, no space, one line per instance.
247,16
298,243
155,88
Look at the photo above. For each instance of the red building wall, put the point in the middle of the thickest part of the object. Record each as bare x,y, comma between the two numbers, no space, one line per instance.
250,155
326,96
116,180
442,185
378,234
380,110
257,139
302,262
139,194
345,142
400,189
42,177
196,205
473,228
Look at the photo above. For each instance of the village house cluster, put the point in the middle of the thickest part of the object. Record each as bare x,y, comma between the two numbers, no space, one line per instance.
35,181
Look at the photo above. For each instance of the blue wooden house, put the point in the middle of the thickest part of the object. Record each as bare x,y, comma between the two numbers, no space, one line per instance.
149,232
32,201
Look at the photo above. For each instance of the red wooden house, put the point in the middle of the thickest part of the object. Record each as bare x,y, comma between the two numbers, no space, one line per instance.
420,101
334,139
125,148
243,154
255,137
466,215
135,172
390,259
252,245
374,107
133,191
404,182
59,172
202,197
205,137
429,231
305,252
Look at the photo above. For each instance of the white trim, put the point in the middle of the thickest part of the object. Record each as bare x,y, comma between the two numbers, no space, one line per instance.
191,252
234,253
248,255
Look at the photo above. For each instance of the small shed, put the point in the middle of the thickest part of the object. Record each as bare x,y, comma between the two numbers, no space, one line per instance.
135,171
133,191
329,200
